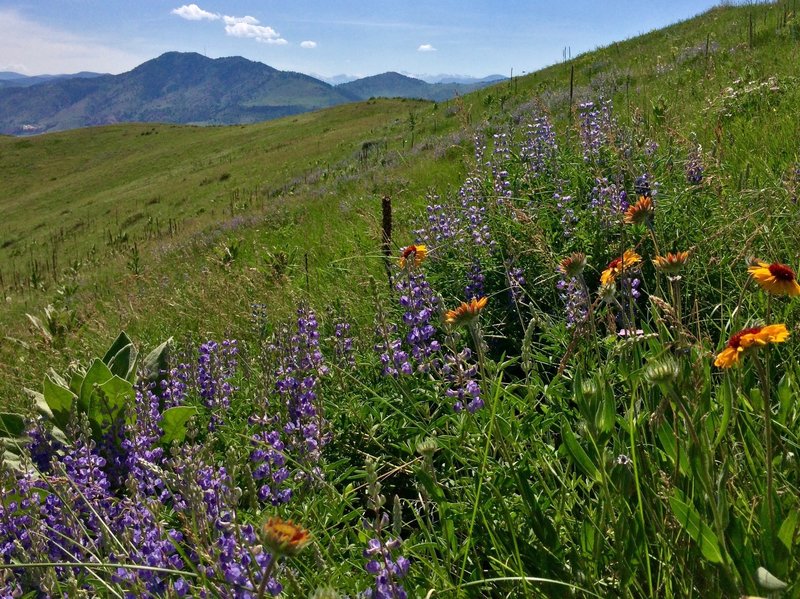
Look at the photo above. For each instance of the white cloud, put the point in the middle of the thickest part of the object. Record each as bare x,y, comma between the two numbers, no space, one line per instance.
248,27
34,49
308,44
426,48
192,12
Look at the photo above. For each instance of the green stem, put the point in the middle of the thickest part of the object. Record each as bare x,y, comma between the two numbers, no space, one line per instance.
763,374
262,588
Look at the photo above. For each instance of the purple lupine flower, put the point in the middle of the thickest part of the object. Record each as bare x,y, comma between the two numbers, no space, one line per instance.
576,302
539,149
386,567
515,276
269,461
650,148
596,124
608,202
42,446
143,454
641,186
343,349
420,306
216,365
475,280
174,386
300,364
461,375
694,166
568,217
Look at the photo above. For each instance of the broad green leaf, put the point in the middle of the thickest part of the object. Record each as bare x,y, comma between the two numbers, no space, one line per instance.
174,421
108,402
11,425
787,396
693,524
606,413
579,456
60,400
156,363
788,528
121,358
97,374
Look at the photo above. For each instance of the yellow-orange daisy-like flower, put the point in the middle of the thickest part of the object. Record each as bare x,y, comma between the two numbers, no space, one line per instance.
671,264
413,254
640,212
616,267
775,278
466,312
747,338
285,537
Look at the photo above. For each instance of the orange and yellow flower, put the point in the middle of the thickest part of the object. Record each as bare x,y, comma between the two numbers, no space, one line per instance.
466,312
413,254
285,537
775,278
616,267
753,337
641,212
671,264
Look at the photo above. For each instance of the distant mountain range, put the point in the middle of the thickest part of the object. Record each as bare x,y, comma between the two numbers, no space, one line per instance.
189,88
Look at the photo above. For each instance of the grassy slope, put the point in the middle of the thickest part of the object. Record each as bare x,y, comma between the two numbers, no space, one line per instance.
99,184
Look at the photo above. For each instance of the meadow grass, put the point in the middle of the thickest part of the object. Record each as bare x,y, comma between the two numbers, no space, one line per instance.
570,438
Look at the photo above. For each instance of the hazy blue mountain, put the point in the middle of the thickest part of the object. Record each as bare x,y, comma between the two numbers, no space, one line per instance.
189,88
395,85
11,79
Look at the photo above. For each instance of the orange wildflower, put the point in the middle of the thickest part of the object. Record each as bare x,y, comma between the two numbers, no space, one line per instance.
414,253
775,278
616,267
750,338
466,312
640,212
671,264
285,537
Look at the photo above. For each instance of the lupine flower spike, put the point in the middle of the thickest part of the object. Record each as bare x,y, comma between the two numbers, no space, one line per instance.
775,278
753,337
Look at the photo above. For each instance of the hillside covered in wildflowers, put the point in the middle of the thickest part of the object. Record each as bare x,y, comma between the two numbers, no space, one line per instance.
570,370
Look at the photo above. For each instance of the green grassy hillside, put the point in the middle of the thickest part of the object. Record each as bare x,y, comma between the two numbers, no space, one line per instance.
618,420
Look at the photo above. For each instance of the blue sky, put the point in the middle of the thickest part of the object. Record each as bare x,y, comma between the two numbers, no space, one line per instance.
327,37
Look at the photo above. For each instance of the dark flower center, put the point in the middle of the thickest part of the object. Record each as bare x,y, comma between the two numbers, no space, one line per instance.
736,340
614,264
781,272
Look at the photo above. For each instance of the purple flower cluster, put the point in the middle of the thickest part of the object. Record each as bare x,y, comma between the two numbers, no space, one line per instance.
694,166
596,124
420,307
216,366
568,217
461,375
143,456
343,349
608,201
539,149
515,277
300,365
452,226
576,302
475,280
385,567
174,386
269,461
